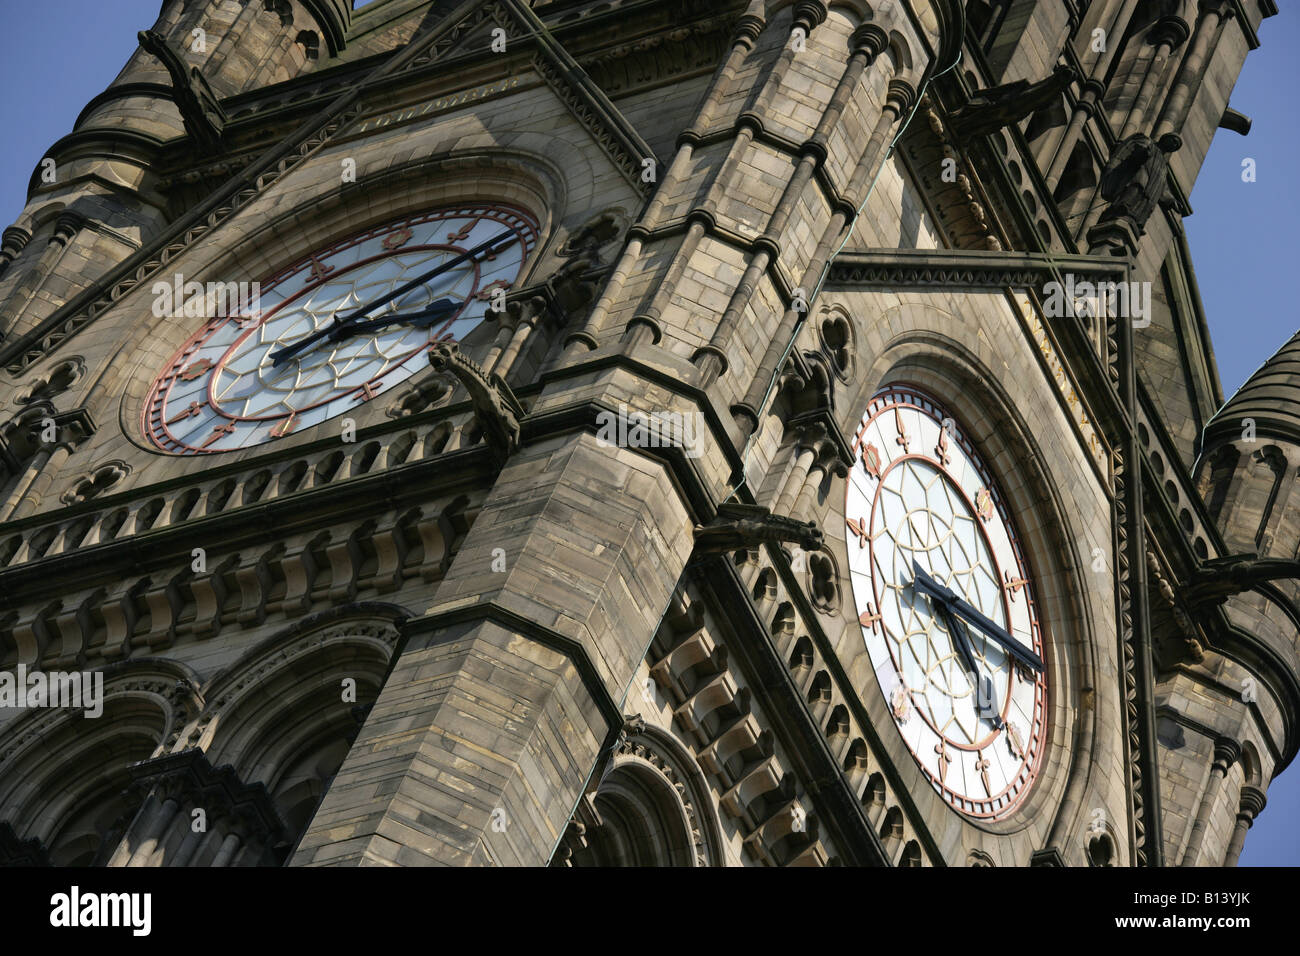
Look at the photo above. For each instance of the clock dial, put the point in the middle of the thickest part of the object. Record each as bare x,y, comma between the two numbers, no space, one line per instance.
243,379
945,602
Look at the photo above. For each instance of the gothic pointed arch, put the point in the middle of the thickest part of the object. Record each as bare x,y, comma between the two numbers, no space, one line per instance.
651,808
286,713
65,775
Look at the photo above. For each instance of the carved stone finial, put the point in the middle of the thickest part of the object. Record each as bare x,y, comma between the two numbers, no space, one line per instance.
738,527
495,407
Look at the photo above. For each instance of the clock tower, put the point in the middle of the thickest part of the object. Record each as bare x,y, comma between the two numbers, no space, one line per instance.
639,433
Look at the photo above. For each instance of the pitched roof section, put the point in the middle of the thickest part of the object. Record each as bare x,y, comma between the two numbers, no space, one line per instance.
1271,397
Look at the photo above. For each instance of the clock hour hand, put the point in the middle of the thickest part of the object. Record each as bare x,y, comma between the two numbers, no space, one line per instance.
941,599
1017,650
426,316
957,631
495,244
985,705
959,607
930,587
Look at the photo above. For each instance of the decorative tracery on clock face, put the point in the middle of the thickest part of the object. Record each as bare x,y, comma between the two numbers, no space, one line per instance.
946,606
232,385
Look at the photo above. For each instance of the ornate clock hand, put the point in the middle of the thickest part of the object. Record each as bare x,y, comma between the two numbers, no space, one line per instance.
941,599
985,706
930,586
961,608
496,244
965,611
425,316
957,631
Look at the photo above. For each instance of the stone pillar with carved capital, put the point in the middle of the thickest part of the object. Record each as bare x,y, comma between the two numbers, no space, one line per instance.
1251,806
1226,752
1213,15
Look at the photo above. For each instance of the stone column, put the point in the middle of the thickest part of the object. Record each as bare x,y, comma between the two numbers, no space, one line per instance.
1084,110
505,330
162,833
807,499
1214,14
1226,752
11,313
747,31
1167,35
143,854
142,820
29,493
899,101
805,454
1252,805
189,846
868,42
12,242
526,315
229,847
1088,101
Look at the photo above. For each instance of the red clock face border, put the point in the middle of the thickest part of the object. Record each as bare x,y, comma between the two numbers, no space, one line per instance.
164,421
874,461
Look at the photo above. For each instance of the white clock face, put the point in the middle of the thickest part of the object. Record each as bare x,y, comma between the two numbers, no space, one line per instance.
227,388
945,604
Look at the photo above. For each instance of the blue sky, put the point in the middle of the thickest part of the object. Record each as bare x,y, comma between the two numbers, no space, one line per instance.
60,53
1245,257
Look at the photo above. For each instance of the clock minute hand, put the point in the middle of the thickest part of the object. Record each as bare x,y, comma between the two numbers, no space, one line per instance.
494,244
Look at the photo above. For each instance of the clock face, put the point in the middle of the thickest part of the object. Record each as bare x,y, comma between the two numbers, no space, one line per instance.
945,603
226,388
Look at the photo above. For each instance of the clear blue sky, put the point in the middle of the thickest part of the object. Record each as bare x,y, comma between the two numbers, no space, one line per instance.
1245,254
56,55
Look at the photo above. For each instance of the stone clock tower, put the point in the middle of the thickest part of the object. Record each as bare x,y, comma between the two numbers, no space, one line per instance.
640,432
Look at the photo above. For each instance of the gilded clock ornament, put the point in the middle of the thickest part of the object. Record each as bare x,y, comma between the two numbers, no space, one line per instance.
946,605
337,327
